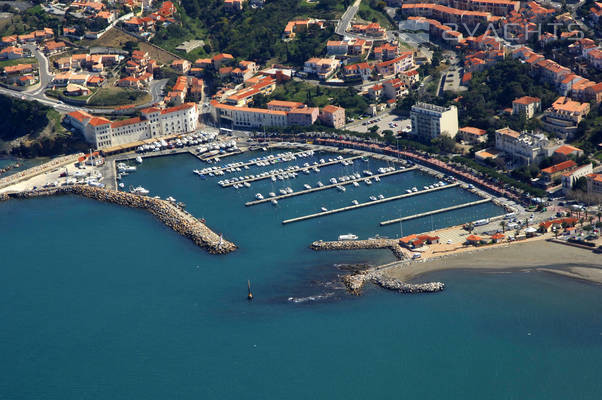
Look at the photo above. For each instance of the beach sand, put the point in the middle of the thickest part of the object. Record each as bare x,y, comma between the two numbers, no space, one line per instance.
541,255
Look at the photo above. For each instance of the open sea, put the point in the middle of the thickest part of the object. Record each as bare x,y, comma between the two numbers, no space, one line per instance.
103,302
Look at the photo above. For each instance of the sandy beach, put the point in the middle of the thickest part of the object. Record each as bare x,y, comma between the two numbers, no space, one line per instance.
541,255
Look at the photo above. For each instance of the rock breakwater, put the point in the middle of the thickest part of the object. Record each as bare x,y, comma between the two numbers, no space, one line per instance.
391,244
168,213
355,282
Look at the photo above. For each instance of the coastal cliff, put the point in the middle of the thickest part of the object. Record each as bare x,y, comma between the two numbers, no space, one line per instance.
168,213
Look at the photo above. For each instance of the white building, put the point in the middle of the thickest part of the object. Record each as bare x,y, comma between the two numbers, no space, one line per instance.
430,121
570,178
525,147
248,117
152,122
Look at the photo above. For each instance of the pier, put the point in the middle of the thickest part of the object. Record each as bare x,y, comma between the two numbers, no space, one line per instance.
296,169
369,203
433,212
329,186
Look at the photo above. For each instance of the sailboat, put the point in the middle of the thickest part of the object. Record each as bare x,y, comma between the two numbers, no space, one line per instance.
249,295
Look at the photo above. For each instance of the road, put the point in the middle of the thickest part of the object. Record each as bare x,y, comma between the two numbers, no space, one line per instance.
346,18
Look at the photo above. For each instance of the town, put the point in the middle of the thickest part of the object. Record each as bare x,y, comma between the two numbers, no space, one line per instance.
118,75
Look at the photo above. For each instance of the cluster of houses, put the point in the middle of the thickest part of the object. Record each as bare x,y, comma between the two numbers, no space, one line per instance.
294,27
146,25
11,45
138,70
20,74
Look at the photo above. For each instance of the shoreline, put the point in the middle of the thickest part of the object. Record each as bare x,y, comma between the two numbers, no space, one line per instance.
539,255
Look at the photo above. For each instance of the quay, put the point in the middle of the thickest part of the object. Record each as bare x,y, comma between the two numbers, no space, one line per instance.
369,203
433,212
296,169
171,215
330,186
40,169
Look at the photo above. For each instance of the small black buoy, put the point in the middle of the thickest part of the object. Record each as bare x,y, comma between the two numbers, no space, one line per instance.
250,295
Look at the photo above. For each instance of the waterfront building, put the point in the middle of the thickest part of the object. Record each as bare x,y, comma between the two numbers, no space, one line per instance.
152,123
473,135
594,184
332,116
523,148
430,121
570,178
553,172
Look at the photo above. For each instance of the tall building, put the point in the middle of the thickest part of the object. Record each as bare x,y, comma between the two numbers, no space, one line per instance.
430,121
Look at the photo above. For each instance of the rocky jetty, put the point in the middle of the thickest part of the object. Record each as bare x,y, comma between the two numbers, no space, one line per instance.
391,244
167,212
355,282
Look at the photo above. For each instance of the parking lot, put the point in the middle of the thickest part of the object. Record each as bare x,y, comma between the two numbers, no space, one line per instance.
384,122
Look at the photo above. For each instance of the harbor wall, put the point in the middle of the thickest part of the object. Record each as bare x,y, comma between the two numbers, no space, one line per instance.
355,282
391,244
168,213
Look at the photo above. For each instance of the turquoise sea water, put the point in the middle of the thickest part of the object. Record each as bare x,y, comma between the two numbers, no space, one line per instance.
98,302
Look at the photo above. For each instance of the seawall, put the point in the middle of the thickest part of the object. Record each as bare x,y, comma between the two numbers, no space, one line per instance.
168,213
355,282
391,244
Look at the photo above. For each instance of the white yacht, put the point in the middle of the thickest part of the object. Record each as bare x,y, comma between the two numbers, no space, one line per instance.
373,198
306,186
139,160
324,209
348,236
341,188
259,196
320,184
274,202
355,202
139,190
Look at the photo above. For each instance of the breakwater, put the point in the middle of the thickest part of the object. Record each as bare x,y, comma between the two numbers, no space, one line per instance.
390,244
167,212
433,212
355,282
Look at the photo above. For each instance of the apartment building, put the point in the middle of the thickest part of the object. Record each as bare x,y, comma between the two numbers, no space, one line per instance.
323,68
522,148
594,184
152,122
404,62
332,116
446,14
527,106
430,121
570,178
473,135
564,115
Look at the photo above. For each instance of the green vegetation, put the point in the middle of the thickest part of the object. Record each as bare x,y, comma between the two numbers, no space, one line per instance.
494,89
19,118
589,134
255,34
493,173
29,20
116,96
6,63
173,35
319,96
374,11
48,146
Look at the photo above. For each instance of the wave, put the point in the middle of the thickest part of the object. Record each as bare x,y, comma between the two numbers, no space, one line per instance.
311,298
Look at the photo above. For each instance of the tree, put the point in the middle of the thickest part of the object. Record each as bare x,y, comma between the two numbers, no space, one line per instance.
503,225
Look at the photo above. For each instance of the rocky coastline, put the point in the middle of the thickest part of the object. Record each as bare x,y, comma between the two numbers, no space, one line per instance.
167,212
355,282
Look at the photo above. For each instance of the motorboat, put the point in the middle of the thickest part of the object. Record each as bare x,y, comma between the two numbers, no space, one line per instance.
373,198
320,184
274,202
348,236
341,188
324,209
306,186
139,160
259,196
356,184
139,190
355,202
380,197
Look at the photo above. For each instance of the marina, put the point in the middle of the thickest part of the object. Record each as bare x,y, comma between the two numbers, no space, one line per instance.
270,174
366,204
325,187
433,212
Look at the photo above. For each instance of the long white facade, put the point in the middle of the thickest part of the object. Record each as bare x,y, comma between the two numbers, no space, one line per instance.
152,122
